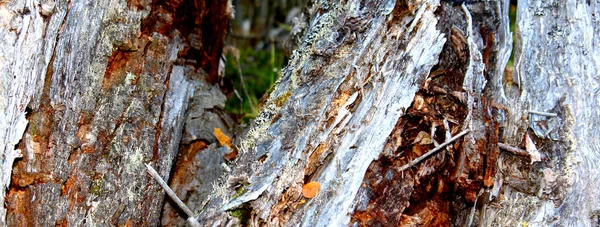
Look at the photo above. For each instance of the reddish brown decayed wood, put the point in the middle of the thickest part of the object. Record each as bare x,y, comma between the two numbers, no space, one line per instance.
86,152
427,193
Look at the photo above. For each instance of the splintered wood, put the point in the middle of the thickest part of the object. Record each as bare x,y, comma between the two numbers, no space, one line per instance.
413,178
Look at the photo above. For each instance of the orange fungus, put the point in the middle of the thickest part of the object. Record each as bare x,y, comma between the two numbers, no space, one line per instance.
223,139
311,189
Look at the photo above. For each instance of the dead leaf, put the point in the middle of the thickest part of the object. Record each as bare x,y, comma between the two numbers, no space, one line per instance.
311,189
423,138
418,102
223,139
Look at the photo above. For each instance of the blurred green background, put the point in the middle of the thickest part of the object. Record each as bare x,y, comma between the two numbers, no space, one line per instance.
255,51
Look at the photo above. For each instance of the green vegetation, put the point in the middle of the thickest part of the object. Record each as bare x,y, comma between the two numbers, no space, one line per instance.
241,213
512,15
239,191
259,70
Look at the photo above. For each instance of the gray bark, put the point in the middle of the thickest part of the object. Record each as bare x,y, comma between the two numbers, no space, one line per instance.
105,86
557,62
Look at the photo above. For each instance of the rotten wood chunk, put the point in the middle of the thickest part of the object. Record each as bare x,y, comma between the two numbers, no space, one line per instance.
454,97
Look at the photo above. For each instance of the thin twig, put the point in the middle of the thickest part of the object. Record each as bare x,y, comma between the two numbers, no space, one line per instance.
239,68
473,209
429,153
543,113
514,150
191,219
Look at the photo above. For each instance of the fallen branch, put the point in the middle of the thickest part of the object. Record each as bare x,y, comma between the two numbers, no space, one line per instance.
192,221
432,151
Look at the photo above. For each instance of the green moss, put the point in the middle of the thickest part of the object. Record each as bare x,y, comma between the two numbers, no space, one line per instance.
242,213
154,44
96,187
512,15
239,191
237,213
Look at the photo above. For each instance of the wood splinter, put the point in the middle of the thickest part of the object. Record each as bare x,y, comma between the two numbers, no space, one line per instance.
192,221
432,151
514,150
546,114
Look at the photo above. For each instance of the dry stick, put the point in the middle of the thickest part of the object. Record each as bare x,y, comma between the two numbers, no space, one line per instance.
543,113
514,150
429,153
191,219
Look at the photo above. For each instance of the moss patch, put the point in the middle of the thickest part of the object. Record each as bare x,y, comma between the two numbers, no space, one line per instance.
242,214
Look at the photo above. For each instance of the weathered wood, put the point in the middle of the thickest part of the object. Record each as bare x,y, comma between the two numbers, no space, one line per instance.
463,93
557,62
105,85
355,72
371,87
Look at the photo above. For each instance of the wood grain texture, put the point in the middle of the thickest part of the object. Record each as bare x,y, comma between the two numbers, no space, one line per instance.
556,64
91,90
356,70
106,90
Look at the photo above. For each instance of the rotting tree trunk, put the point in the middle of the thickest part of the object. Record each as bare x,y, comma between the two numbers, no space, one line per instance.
364,83
371,87
388,81
105,86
